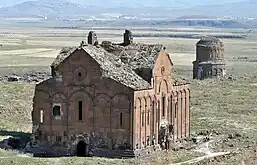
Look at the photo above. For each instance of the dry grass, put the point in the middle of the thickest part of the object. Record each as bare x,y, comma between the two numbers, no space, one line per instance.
15,107
225,106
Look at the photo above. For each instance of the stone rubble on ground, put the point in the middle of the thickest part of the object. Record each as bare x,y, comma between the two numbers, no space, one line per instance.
10,143
33,77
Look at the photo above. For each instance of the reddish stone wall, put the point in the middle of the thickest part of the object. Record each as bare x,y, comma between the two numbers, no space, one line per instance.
113,115
160,103
104,101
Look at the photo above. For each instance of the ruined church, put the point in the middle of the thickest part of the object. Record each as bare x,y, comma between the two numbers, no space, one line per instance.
110,99
210,61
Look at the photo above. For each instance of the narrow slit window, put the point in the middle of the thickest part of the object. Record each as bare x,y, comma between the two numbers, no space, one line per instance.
41,116
163,106
176,109
121,125
80,110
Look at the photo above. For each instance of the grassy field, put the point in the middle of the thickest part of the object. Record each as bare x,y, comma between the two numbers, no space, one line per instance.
227,107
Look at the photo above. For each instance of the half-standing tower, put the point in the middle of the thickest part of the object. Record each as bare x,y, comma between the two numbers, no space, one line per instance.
210,61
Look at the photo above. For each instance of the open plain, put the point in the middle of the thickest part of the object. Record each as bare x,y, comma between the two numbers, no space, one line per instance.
223,111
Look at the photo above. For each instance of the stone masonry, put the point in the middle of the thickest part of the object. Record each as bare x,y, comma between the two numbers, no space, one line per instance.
210,61
100,102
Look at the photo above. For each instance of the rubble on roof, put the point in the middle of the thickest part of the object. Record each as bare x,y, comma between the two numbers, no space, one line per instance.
64,53
121,63
111,65
136,55
115,69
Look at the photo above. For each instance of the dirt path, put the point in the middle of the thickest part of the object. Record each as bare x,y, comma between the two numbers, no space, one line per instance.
211,155
203,148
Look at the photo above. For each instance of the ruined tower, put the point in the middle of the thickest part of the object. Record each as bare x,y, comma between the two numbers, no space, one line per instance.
92,38
210,61
128,38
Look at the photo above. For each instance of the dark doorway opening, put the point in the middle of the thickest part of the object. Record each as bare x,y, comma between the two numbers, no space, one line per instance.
82,149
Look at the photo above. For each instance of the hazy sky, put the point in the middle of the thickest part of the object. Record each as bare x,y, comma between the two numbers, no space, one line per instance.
151,2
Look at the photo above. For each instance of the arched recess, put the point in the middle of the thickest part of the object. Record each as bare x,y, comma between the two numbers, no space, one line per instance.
163,87
41,102
172,108
149,121
120,104
137,118
179,113
187,102
42,95
176,109
59,97
149,111
102,109
154,119
74,142
183,112
143,121
144,111
186,99
81,109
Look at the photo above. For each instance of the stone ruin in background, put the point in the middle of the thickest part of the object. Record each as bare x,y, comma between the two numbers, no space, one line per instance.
210,61
128,38
92,38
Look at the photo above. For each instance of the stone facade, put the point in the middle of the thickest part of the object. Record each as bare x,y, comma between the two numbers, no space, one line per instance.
210,61
95,102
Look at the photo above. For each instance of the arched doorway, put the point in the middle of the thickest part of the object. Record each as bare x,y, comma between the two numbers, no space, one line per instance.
82,149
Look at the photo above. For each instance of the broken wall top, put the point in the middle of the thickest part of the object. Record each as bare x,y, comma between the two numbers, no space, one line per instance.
210,42
136,55
139,56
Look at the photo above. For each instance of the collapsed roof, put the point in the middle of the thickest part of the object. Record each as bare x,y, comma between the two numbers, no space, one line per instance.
111,65
129,65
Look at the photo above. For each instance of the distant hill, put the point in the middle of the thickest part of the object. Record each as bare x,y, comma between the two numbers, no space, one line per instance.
123,10
45,8
169,8
133,3
193,17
